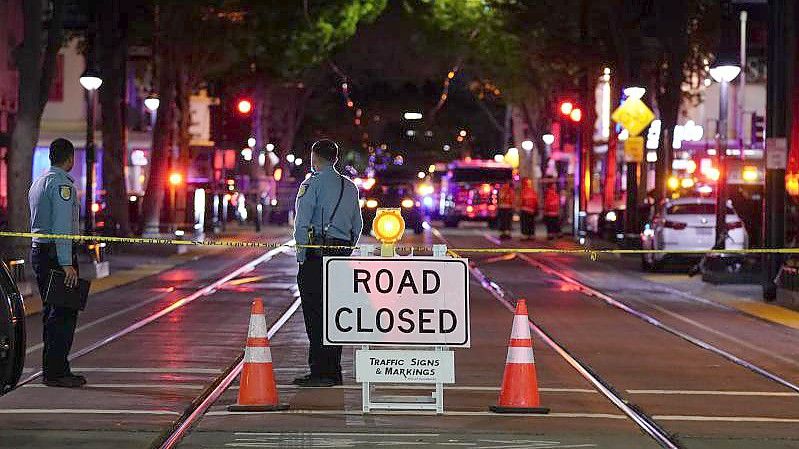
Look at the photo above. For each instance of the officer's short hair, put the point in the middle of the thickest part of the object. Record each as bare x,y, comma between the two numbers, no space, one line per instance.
326,148
61,150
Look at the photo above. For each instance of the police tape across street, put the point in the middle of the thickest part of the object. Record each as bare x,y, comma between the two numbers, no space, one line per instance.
592,252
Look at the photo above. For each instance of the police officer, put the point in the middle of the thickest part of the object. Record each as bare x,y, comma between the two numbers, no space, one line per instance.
54,210
327,212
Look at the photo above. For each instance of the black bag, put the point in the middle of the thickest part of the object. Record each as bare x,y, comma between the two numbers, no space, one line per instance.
58,294
324,240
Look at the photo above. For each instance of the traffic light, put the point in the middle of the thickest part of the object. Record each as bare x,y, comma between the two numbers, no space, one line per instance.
175,179
576,115
758,128
231,122
244,106
566,107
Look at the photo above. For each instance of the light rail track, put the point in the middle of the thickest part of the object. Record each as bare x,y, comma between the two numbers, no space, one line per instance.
588,291
200,405
645,422
199,293
641,419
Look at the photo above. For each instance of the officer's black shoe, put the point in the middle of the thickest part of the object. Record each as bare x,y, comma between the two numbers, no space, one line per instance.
64,382
301,379
319,382
77,377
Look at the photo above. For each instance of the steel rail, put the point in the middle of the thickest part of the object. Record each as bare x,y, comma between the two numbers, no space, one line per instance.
208,289
641,419
589,291
200,405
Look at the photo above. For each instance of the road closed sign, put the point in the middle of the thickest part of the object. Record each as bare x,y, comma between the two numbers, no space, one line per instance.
418,301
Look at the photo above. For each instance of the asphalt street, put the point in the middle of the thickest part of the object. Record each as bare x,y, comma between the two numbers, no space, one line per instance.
143,380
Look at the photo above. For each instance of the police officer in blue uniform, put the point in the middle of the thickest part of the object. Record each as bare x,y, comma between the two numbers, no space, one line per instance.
327,212
54,210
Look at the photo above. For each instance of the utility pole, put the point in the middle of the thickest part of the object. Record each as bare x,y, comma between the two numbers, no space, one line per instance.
781,54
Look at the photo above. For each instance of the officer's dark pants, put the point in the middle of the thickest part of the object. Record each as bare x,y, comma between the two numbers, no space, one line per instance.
504,220
324,360
527,220
59,322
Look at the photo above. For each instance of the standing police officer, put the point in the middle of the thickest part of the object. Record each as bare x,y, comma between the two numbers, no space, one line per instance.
54,210
327,212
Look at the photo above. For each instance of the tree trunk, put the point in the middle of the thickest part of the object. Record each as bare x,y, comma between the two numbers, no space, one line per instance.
35,76
112,57
162,144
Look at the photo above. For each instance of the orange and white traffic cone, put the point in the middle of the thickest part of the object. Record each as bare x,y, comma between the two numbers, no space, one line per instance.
519,392
257,388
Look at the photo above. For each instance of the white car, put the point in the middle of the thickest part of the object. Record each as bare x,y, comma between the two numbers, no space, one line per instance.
688,224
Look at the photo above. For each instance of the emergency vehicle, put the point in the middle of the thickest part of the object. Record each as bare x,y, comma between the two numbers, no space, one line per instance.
469,190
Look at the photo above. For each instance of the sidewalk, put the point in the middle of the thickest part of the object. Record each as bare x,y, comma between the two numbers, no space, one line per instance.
129,263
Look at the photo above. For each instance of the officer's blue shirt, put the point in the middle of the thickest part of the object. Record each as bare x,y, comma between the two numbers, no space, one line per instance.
54,210
316,200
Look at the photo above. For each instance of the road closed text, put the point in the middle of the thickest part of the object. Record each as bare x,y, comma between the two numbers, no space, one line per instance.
418,301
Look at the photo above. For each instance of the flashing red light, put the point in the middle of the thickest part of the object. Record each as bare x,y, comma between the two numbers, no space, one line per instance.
244,106
175,178
566,107
576,115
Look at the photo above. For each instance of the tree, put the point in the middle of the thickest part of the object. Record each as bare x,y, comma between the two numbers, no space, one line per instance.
35,61
112,49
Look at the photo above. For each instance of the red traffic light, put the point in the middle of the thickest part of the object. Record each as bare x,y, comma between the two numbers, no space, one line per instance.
566,107
244,106
576,115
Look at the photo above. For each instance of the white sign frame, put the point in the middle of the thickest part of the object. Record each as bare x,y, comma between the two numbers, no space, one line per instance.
461,314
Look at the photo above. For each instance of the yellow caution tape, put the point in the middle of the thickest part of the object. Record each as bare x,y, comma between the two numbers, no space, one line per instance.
593,253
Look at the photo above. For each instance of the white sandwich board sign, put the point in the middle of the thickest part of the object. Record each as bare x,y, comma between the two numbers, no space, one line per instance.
396,301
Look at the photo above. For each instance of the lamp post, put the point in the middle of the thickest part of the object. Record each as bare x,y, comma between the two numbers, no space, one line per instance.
631,218
91,81
722,74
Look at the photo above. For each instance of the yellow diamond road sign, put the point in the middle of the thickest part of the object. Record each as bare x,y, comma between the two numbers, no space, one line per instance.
633,115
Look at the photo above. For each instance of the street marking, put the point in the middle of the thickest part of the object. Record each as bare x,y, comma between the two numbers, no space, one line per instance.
717,393
144,370
725,418
266,257
424,413
142,386
78,411
105,318
328,439
337,387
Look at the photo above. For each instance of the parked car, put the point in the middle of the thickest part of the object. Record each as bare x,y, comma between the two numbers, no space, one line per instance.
688,224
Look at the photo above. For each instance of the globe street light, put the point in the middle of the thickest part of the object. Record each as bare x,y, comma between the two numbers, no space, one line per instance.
151,103
723,74
91,81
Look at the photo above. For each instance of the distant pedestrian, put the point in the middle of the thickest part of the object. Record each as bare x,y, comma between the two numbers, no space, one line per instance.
327,213
54,210
505,204
552,212
528,209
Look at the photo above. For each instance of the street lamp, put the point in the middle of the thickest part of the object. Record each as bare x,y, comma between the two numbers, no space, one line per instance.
151,103
723,74
91,81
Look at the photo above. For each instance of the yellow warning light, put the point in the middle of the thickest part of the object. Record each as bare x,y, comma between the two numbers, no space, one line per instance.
673,183
388,225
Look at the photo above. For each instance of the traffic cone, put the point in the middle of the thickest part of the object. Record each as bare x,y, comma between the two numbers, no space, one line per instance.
257,388
519,392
